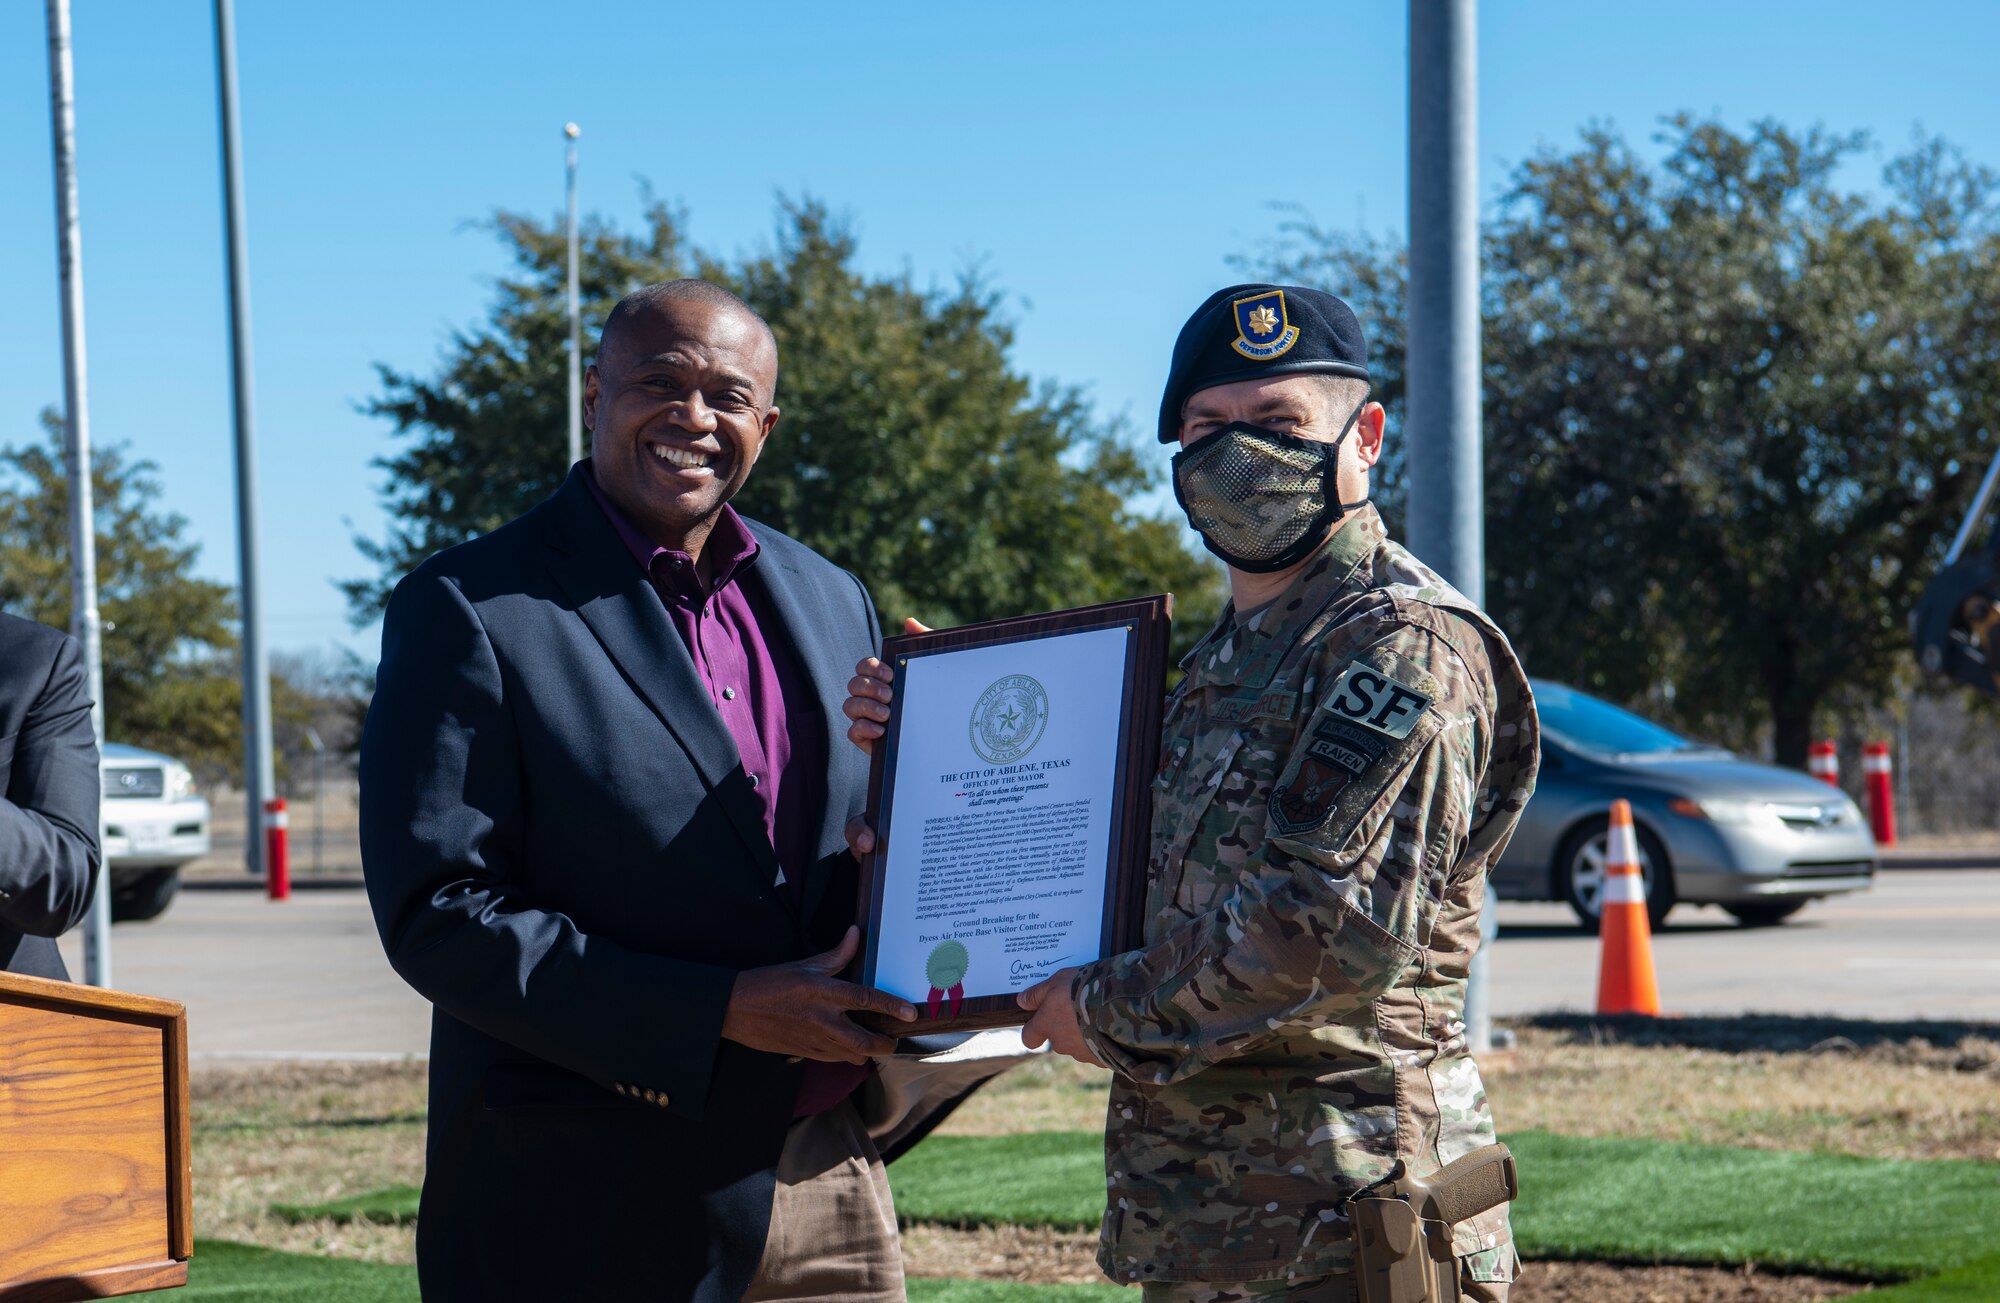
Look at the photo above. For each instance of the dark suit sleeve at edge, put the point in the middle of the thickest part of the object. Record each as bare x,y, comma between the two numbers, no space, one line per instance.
840,867
874,621
48,814
441,799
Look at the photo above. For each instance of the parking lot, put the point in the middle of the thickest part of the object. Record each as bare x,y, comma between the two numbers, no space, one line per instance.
300,978
306,978
1917,945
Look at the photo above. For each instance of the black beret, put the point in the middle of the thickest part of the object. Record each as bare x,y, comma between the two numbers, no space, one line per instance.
1247,331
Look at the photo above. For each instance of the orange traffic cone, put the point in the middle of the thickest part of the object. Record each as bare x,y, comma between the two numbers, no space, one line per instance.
1625,981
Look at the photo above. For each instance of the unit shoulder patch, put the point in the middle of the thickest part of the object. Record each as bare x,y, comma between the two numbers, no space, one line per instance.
1372,698
1366,719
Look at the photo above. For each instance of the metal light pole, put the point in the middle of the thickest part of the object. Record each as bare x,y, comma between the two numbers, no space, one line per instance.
83,617
319,794
570,132
1447,513
259,781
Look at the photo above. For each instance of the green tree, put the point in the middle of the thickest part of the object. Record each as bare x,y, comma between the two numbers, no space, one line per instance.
169,637
1372,275
909,452
324,693
1732,412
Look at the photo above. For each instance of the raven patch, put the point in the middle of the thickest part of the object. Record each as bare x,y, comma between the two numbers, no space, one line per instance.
1351,748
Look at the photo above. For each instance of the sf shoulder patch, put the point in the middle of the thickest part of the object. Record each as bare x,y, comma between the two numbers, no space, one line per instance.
1365,719
1370,698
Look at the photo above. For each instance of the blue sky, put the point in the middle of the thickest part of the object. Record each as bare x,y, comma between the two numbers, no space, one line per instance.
1100,162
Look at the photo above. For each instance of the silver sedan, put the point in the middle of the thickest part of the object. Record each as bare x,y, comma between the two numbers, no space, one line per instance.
1713,828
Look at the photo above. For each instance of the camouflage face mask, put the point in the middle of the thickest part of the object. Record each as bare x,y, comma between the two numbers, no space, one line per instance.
1262,501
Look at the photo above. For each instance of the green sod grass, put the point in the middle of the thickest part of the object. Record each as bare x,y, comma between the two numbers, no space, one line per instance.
1643,1200
1610,1200
220,1270
395,1206
1978,1282
239,1271
1000,1291
1038,1178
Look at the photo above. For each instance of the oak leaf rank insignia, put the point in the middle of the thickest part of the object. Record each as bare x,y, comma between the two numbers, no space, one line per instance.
1263,330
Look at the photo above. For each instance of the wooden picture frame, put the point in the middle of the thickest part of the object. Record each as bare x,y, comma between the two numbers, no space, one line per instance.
1149,623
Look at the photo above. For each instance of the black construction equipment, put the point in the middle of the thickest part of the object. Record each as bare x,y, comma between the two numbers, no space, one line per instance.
1957,621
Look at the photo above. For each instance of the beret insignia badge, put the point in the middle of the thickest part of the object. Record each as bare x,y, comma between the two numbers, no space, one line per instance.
1263,330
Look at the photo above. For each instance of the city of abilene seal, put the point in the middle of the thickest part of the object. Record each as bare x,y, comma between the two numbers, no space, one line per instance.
945,971
1009,719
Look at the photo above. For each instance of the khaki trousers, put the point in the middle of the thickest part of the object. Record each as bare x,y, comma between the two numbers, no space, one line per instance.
833,1224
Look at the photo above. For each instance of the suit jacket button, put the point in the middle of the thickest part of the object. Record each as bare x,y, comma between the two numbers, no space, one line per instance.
663,1101
652,1097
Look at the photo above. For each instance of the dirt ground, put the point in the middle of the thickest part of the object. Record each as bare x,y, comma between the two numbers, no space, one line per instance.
299,1133
1600,1282
1878,1090
1068,1258
1045,1257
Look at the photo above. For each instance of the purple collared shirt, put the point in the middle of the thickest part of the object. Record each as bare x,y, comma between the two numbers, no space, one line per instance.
756,685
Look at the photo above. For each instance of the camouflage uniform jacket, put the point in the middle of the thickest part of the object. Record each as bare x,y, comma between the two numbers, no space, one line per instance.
1339,771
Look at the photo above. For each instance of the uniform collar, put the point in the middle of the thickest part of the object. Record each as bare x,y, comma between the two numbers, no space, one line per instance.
1244,651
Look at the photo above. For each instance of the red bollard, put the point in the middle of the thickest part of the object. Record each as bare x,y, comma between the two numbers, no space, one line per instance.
277,849
1823,762
1881,792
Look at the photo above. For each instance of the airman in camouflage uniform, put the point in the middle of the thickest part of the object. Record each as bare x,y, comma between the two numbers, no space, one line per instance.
1341,766
1295,1022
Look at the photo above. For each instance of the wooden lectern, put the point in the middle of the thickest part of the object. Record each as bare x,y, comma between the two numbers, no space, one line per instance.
95,1190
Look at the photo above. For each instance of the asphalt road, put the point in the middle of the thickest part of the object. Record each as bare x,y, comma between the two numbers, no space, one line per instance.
1919,944
300,978
306,978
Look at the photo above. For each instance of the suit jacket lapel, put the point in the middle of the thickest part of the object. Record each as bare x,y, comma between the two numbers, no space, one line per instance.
618,604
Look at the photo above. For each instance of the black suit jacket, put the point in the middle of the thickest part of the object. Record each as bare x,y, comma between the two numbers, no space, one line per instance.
565,856
48,795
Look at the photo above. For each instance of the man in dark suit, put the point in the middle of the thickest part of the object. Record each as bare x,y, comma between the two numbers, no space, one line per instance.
48,795
602,803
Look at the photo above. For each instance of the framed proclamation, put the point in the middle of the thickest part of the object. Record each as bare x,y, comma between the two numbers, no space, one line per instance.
1011,801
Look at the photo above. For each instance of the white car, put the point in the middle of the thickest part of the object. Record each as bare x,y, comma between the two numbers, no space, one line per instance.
154,822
